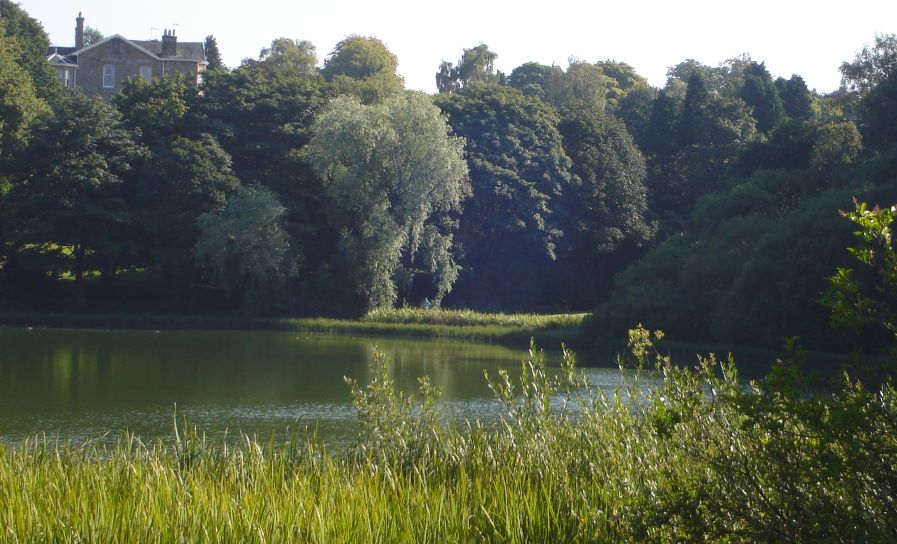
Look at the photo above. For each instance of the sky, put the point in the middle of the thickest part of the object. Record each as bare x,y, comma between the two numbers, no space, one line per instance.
809,38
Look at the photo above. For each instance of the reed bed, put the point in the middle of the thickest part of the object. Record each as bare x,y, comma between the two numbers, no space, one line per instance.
469,318
699,458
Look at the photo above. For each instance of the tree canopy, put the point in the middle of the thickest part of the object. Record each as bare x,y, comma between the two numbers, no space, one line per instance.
390,168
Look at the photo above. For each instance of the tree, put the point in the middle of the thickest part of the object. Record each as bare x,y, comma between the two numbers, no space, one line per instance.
796,98
476,65
68,190
760,94
92,36
871,66
286,56
244,248
186,174
519,173
607,207
158,109
19,103
879,112
32,47
213,55
264,123
390,167
837,145
363,66
534,79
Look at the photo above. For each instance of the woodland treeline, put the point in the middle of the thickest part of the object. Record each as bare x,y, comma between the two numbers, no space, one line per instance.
290,185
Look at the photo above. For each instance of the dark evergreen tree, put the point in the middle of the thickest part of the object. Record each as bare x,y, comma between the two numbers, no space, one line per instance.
796,98
760,94
213,55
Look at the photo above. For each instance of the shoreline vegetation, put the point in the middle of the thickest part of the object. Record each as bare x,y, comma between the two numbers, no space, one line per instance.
511,329
699,459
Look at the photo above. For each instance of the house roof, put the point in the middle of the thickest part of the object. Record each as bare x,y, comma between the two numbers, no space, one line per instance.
116,37
185,51
57,59
189,51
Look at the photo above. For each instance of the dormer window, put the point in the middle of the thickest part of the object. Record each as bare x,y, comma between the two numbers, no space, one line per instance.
108,76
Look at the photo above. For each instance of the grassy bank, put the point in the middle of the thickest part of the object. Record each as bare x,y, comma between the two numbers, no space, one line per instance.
698,459
512,329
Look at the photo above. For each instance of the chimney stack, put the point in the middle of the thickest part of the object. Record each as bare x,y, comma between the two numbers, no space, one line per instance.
169,44
79,31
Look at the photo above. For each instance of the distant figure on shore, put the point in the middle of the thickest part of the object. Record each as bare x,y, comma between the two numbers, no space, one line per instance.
426,304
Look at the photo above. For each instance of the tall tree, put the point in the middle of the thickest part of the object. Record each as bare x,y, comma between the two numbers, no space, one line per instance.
534,79
760,94
264,123
476,65
288,57
363,66
519,173
796,98
32,46
390,167
871,66
607,208
213,55
186,174
67,197
19,104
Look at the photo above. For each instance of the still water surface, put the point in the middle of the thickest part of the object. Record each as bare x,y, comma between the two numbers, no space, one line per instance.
81,384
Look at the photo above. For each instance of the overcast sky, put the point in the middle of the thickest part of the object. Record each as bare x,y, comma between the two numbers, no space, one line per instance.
803,37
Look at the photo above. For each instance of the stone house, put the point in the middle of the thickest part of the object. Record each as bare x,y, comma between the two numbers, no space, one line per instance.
100,68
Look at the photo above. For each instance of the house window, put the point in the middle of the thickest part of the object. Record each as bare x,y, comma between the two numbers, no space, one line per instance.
64,76
146,72
108,76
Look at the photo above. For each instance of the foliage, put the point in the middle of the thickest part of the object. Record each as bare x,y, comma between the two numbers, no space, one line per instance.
19,103
364,67
837,146
762,96
477,65
92,35
699,456
213,54
245,248
32,44
871,66
288,57
868,295
389,168
606,213
68,185
519,174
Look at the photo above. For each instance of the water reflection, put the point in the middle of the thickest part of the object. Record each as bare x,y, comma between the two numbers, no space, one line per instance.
79,384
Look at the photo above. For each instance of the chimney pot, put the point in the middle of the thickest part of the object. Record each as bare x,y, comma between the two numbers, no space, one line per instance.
169,44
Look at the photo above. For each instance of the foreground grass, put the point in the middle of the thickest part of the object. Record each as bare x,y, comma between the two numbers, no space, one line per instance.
512,329
698,459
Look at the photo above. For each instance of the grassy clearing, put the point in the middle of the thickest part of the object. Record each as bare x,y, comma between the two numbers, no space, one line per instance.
698,459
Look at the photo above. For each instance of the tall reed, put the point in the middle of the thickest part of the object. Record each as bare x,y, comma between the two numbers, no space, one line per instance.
702,457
